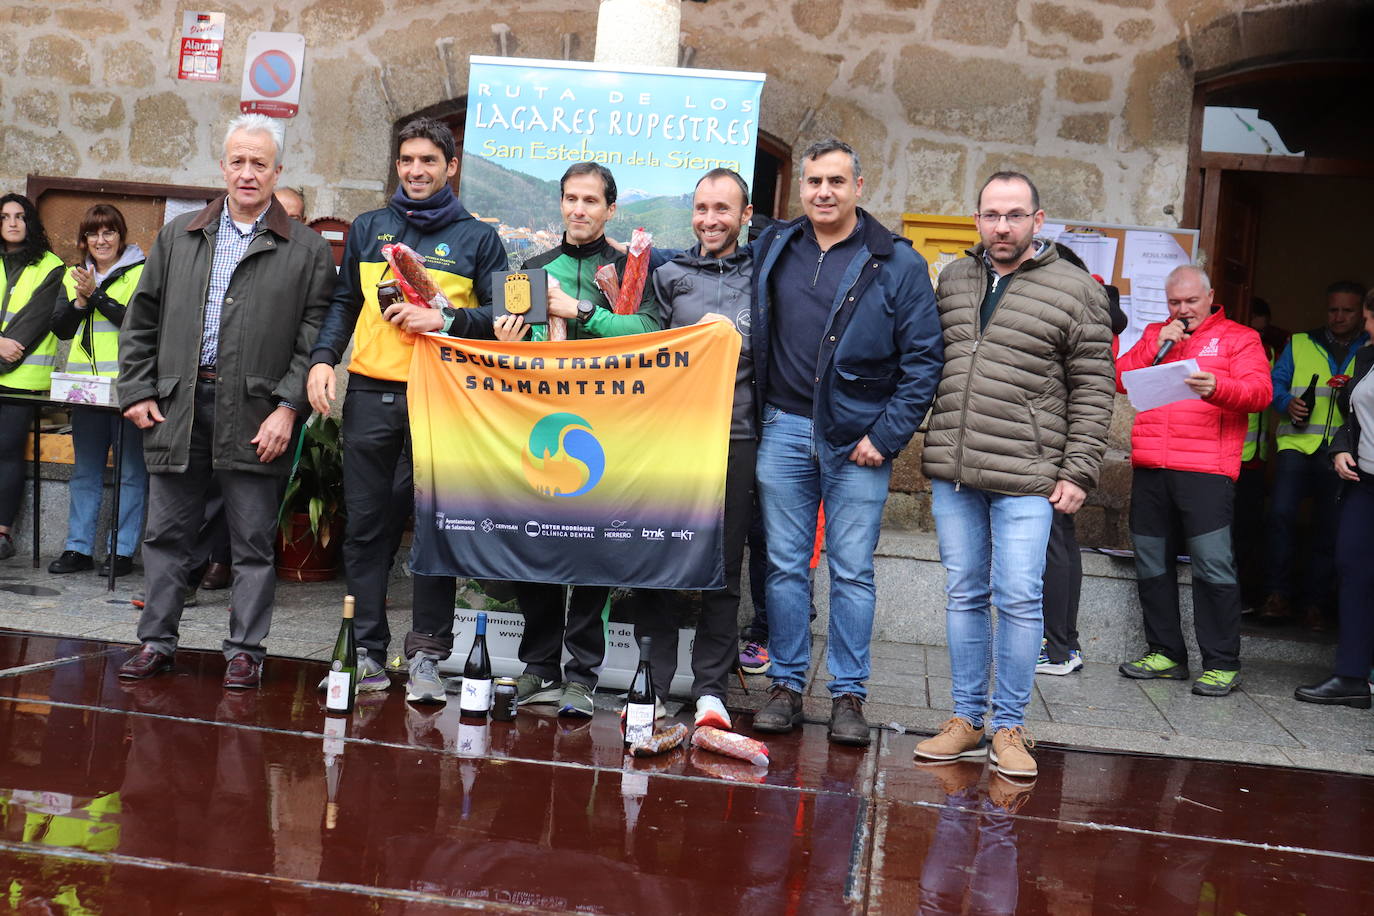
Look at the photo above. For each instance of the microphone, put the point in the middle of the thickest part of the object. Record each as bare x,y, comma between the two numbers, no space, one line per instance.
1167,345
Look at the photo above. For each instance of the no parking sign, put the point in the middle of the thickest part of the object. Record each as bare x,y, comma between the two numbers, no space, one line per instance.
272,74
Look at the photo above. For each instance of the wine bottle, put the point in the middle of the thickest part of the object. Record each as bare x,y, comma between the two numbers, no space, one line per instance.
334,730
343,666
640,703
1308,397
475,699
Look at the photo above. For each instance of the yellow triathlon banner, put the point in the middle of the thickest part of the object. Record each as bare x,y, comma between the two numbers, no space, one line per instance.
589,462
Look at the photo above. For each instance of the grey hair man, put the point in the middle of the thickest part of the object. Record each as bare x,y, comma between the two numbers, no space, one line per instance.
213,357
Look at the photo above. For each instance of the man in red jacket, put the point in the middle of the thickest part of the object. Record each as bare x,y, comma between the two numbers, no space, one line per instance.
1186,457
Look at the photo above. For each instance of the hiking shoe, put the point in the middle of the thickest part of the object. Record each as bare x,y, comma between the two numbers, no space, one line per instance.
531,690
711,711
1154,664
424,685
188,600
781,713
958,737
1216,683
71,561
1074,663
576,700
1008,794
1011,752
372,678
754,658
847,723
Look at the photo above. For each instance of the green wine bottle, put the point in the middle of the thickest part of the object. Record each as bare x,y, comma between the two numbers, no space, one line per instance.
343,666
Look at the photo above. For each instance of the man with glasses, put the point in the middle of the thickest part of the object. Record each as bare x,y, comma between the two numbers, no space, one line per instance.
1016,434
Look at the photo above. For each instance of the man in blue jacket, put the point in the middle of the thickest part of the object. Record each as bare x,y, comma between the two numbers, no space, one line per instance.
847,354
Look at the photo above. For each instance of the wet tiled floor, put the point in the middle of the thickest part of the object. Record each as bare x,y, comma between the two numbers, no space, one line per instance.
174,795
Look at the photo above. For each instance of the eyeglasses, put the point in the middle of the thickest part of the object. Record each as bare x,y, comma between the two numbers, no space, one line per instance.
1013,219
103,235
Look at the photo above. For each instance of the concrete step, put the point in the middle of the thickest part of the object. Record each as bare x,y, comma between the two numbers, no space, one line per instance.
911,602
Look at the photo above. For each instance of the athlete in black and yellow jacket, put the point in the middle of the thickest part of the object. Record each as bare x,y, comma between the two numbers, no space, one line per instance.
460,253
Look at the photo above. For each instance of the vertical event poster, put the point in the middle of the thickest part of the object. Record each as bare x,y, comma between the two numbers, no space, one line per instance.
551,462
202,46
658,130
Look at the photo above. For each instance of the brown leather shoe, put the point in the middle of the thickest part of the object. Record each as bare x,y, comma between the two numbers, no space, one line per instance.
781,713
957,738
243,672
216,577
1011,752
847,723
146,662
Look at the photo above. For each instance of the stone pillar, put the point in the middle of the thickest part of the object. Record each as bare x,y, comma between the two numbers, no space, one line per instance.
639,32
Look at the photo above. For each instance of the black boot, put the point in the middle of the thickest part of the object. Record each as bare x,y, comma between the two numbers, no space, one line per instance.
1337,691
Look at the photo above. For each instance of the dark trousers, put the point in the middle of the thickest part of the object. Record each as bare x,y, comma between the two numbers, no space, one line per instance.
176,509
1063,582
1247,533
1201,505
16,428
212,541
379,496
584,633
1297,476
1355,649
714,648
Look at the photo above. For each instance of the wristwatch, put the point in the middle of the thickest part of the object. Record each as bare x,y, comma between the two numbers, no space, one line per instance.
585,309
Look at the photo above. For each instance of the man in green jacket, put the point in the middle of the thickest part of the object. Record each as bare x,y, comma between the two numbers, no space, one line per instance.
212,367
587,199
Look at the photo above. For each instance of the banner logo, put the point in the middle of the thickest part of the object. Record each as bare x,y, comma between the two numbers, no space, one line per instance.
563,457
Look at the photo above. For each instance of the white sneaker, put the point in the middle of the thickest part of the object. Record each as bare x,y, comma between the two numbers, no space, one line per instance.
711,711
1074,663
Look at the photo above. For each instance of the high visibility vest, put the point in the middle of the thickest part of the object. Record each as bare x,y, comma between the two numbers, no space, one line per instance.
1256,440
1325,418
34,372
103,357
1257,432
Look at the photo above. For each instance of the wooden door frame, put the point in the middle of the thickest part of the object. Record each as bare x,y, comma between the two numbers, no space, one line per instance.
1202,190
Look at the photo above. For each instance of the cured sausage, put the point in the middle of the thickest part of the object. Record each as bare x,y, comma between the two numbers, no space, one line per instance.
636,273
731,745
661,742
415,282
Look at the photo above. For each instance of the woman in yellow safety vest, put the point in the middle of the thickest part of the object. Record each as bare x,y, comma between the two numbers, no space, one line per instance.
29,276
90,310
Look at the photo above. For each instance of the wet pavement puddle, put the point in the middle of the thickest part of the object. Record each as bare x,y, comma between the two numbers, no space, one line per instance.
174,795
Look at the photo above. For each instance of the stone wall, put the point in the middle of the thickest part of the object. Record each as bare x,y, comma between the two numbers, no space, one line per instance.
1090,97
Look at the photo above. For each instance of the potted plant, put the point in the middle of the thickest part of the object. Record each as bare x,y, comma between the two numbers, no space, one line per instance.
310,522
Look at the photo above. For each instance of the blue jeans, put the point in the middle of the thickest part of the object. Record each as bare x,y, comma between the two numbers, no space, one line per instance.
791,483
993,549
93,434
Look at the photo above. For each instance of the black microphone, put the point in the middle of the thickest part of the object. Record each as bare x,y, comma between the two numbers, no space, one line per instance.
1168,345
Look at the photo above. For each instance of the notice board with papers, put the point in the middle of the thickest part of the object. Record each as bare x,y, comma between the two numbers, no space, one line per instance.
1134,259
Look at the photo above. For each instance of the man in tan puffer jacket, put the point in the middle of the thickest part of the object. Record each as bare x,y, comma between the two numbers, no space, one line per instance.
1017,433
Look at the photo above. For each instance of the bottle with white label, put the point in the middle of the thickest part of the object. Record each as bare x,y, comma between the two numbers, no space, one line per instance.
341,685
475,698
640,702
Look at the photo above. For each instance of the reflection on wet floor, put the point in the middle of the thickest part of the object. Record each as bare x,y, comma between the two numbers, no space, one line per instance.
174,795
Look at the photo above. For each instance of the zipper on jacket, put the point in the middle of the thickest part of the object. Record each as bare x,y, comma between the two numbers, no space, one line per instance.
817,277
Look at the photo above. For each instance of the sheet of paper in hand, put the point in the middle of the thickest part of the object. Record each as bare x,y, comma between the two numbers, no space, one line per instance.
1155,386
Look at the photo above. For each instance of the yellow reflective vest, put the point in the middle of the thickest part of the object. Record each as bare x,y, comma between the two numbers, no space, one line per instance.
1309,360
103,356
34,372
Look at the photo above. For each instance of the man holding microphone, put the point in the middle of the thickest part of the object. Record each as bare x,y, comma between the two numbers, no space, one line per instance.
1186,456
